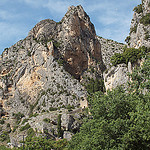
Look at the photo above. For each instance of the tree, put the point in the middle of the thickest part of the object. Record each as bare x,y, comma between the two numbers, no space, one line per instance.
121,118
59,131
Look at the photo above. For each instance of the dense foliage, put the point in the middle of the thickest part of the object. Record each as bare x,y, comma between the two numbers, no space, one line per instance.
40,143
129,55
121,119
145,19
95,85
138,9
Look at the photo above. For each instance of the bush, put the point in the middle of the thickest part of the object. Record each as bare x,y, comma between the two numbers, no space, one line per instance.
2,121
145,20
129,55
52,109
46,120
30,134
4,148
8,125
95,85
18,117
24,121
27,126
138,9
133,29
127,39
4,136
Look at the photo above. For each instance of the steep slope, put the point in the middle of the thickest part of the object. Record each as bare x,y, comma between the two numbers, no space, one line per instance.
41,74
139,36
140,26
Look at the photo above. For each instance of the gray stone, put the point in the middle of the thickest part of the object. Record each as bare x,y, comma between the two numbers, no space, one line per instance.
67,135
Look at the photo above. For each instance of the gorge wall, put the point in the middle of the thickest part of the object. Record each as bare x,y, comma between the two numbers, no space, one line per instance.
45,74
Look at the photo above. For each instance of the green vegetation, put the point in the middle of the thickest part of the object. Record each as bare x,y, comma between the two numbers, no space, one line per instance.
121,119
145,19
18,117
133,29
60,22
95,85
29,53
4,148
138,9
52,109
127,40
4,136
147,36
24,121
30,134
2,121
8,125
129,55
47,120
60,61
27,126
69,107
41,143
56,44
59,131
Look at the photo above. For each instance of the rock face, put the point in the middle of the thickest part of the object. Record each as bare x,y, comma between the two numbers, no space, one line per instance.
140,26
41,74
116,76
74,40
108,49
139,36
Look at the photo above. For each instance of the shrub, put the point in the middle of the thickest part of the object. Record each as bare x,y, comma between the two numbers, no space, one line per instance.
29,53
46,120
145,20
95,85
138,9
60,61
27,126
4,136
24,121
127,39
2,121
18,117
30,132
56,44
117,58
129,55
52,109
8,125
133,29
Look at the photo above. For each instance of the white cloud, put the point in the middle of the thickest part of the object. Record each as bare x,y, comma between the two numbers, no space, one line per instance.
54,6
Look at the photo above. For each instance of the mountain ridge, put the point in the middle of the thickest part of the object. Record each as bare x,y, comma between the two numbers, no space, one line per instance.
50,71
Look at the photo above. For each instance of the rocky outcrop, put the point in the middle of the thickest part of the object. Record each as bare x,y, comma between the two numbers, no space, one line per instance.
139,36
41,74
140,26
108,49
116,76
74,40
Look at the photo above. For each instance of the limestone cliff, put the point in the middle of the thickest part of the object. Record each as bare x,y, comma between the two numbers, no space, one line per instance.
139,36
140,26
43,75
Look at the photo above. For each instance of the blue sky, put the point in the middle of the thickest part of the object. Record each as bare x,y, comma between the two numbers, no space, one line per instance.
111,18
